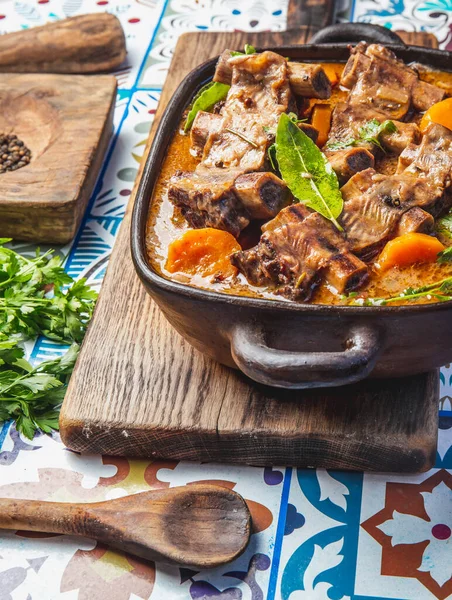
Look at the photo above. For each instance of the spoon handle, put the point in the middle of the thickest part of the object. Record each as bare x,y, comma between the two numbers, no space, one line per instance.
34,515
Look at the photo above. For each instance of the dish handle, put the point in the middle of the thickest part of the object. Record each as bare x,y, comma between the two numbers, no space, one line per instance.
356,32
304,369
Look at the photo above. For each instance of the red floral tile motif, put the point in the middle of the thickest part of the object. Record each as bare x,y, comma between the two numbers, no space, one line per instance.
415,532
151,473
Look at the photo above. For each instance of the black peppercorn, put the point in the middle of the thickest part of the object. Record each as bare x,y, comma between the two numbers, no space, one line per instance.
14,154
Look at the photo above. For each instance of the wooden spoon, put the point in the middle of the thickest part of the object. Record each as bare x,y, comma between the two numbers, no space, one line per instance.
198,525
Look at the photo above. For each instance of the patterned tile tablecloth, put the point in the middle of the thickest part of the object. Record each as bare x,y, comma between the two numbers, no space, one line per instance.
319,534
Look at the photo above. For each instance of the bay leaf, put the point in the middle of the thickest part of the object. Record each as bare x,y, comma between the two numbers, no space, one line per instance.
206,99
211,93
307,172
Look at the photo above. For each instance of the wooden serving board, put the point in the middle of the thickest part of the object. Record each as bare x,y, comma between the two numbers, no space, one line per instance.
139,389
66,121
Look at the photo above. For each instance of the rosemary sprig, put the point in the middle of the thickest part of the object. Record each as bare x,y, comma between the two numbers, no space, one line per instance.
441,290
243,137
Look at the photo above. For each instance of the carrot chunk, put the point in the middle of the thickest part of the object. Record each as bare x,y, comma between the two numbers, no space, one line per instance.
441,113
331,73
409,249
321,120
203,252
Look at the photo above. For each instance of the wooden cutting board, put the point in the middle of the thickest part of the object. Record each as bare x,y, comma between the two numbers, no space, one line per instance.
139,389
66,121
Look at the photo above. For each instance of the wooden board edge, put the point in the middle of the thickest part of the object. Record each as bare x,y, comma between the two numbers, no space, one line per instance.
414,454
302,452
88,183
145,441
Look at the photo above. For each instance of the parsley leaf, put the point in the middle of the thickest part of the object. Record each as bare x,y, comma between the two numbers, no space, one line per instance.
445,256
444,225
30,395
370,133
34,298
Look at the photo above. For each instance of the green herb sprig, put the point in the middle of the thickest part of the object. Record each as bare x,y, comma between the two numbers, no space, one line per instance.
444,225
37,297
294,118
440,290
247,50
368,133
33,300
306,170
445,256
271,152
211,93
271,132
31,396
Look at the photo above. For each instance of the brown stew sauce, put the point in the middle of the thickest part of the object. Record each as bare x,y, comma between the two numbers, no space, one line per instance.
166,224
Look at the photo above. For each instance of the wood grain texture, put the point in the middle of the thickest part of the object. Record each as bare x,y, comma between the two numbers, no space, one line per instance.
66,121
140,389
198,525
83,44
419,38
312,14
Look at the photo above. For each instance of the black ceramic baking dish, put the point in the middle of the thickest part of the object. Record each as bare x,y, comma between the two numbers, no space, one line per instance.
288,344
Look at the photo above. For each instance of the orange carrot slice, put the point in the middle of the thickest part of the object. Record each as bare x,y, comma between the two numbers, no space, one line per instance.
321,120
331,73
203,252
409,249
441,113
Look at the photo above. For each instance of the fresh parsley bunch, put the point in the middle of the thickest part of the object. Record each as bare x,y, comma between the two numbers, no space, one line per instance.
33,300
37,297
